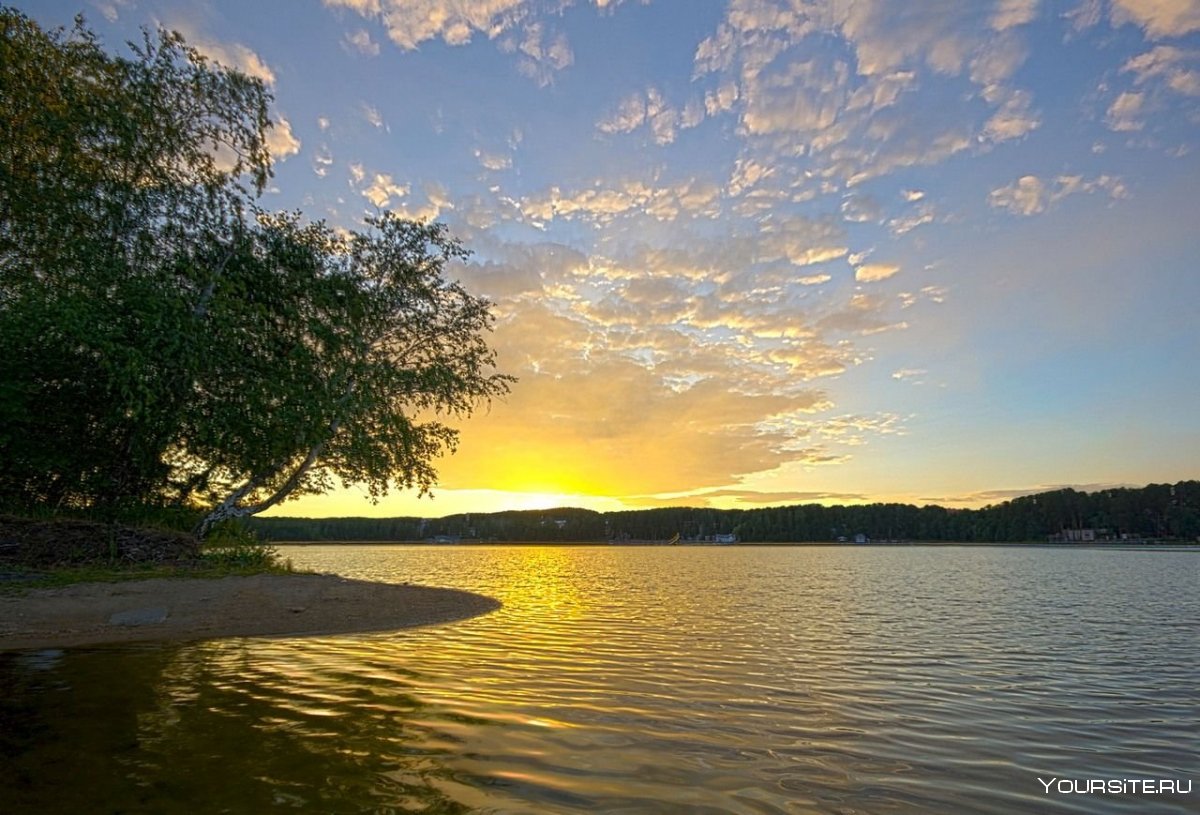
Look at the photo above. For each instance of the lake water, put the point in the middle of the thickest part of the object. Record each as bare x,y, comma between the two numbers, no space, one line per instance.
864,680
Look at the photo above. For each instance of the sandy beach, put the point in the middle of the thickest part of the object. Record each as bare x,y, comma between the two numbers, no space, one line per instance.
192,609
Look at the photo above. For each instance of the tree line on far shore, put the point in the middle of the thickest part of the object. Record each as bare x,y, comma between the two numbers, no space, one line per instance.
1157,511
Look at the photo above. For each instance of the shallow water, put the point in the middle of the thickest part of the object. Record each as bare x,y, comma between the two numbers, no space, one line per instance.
651,679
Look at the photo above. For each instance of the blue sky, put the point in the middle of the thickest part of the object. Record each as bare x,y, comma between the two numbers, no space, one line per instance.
767,251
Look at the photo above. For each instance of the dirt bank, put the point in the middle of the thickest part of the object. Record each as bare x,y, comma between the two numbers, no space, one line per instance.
191,609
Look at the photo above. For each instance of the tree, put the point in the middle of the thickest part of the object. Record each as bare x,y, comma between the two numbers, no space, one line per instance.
333,357
170,342
112,169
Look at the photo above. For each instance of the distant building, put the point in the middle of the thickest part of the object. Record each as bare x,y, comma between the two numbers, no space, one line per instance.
861,538
723,537
1077,535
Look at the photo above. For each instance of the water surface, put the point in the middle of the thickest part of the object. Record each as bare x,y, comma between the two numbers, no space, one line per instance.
650,679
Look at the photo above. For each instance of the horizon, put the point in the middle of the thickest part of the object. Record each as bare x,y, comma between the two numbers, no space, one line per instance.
285,516
751,254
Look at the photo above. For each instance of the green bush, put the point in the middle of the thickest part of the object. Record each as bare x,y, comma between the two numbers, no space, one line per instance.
234,547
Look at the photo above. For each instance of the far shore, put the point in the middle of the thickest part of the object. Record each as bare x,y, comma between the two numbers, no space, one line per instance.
176,609
1173,546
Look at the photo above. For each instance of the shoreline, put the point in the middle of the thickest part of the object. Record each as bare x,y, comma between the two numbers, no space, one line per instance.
187,609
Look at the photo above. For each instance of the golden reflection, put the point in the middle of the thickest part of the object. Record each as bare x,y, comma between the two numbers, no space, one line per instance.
540,577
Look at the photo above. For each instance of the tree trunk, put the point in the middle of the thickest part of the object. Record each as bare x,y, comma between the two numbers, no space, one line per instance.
232,507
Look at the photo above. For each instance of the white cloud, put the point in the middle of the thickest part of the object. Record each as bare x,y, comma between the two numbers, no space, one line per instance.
862,109
721,99
364,7
1086,15
322,161
1125,112
649,108
860,208
602,204
281,141
907,222
361,42
372,115
1173,66
111,9
1011,13
629,115
540,60
493,161
873,272
1030,195
378,188
382,189
1013,120
1027,196
236,56
1159,18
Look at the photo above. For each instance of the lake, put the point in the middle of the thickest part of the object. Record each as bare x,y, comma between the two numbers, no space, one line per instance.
864,680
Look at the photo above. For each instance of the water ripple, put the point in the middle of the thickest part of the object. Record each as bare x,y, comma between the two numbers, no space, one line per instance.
643,680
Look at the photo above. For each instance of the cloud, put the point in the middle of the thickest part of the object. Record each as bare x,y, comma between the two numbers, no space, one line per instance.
601,205
361,42
1013,120
704,435
281,141
629,115
749,497
873,272
380,188
1175,67
409,23
322,161
1086,15
111,9
372,115
236,56
1011,13
860,208
1159,18
1030,195
1125,112
649,108
983,497
493,161
907,222
872,102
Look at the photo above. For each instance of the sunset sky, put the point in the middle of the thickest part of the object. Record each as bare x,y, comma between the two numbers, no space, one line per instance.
746,252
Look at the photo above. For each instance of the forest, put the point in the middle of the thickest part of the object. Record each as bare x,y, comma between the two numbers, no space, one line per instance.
1153,512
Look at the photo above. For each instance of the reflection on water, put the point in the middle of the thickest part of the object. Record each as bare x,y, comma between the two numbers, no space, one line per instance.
732,679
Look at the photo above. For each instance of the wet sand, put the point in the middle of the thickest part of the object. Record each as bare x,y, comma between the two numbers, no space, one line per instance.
193,609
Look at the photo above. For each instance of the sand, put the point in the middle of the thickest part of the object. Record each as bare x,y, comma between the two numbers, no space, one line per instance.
193,609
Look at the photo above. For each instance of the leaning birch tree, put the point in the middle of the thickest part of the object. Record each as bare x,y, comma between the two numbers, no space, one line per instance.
334,358
168,343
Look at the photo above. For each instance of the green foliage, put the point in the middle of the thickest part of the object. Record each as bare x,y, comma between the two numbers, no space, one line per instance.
167,344
109,176
233,548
